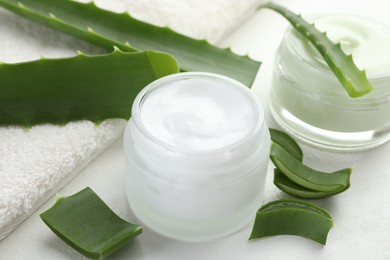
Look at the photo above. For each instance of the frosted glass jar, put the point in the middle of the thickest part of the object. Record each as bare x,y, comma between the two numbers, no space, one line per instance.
197,148
308,101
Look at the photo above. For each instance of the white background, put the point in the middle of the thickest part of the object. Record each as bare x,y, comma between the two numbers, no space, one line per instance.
361,215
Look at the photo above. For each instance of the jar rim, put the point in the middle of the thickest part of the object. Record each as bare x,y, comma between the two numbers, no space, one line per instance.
137,105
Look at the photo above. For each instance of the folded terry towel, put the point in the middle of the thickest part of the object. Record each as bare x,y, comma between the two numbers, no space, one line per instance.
36,163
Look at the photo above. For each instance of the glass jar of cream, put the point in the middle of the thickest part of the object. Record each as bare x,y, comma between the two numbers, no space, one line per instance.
308,101
197,148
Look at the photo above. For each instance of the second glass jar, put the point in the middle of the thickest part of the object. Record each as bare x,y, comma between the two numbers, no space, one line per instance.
308,101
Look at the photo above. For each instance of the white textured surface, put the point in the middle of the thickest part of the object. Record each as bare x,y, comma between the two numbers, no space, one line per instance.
203,19
361,214
37,162
34,164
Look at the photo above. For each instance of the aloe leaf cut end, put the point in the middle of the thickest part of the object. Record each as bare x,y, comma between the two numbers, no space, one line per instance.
349,75
162,64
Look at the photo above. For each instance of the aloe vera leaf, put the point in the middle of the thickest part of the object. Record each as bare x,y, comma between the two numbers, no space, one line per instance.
307,177
293,189
88,225
350,76
292,217
287,142
296,179
83,87
108,29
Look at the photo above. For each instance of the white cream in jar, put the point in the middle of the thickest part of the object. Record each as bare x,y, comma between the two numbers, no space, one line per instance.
197,148
309,102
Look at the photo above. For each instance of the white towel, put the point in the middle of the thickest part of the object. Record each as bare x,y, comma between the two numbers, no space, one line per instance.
34,164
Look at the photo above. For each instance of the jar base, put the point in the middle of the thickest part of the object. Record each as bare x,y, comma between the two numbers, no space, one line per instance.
326,139
187,231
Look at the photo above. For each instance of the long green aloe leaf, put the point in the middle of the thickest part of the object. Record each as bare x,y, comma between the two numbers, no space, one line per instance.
352,79
109,29
88,225
83,87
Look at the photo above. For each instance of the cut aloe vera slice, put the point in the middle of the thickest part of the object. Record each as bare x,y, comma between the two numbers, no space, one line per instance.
88,225
307,177
287,142
290,187
292,217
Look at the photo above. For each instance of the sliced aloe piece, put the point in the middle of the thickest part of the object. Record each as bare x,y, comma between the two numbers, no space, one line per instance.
88,225
109,29
350,76
297,179
289,187
307,177
83,87
287,142
292,217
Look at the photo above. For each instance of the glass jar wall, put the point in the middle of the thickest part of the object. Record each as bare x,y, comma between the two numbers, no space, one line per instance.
196,163
308,101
